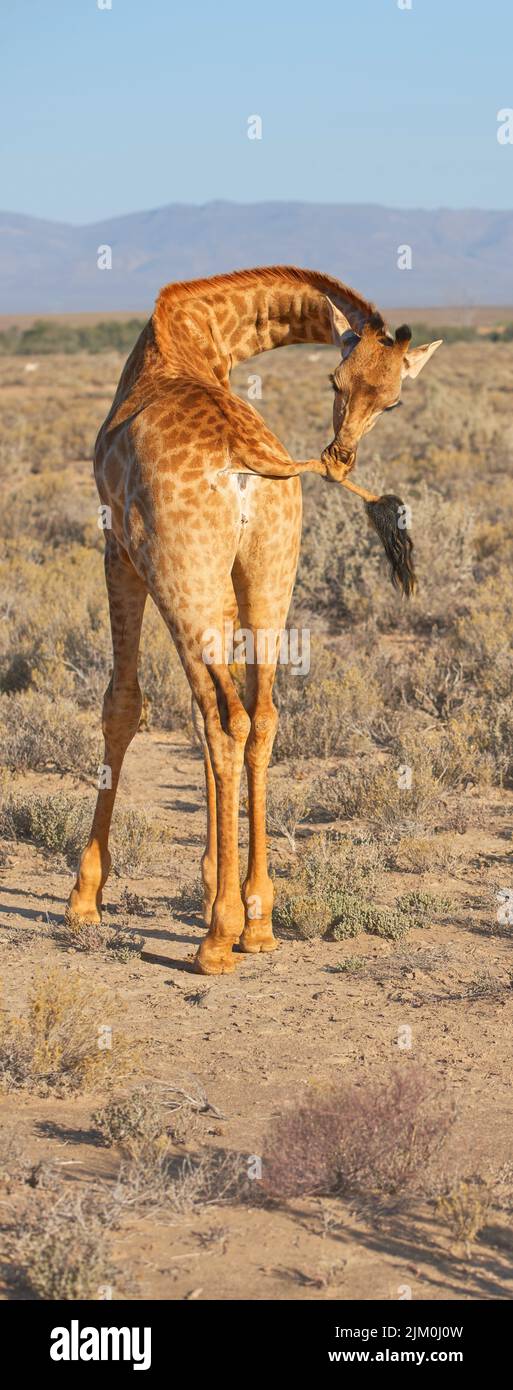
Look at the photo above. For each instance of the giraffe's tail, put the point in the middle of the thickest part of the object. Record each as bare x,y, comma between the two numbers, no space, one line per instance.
388,516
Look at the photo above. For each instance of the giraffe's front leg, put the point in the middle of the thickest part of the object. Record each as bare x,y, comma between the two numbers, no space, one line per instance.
121,713
258,892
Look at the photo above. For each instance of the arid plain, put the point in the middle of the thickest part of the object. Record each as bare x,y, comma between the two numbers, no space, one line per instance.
175,1159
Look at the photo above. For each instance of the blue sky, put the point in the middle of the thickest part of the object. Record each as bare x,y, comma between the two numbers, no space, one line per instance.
111,111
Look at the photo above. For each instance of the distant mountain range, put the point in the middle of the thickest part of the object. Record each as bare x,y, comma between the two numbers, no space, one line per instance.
458,257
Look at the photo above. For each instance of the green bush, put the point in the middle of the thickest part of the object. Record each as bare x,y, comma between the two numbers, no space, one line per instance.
48,335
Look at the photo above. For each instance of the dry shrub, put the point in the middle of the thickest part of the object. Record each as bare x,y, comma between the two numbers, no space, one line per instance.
134,905
351,965
153,1178
473,746
162,678
89,937
59,632
337,861
444,552
503,1187
125,945
357,915
304,913
421,907
464,1207
58,636
60,1251
134,1119
327,712
342,572
287,807
329,889
92,937
148,1120
17,1168
340,568
377,1137
139,841
405,963
189,899
68,1039
420,854
383,797
39,734
463,750
483,636
60,824
47,508
432,680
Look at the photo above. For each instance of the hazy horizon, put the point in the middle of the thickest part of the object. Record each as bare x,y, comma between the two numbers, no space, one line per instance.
110,217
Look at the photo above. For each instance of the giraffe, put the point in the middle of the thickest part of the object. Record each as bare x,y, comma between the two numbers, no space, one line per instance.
205,516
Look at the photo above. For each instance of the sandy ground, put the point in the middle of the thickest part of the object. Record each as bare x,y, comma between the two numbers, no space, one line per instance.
257,1039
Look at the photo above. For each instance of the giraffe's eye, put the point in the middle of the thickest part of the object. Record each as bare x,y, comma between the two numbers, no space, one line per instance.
394,406
332,382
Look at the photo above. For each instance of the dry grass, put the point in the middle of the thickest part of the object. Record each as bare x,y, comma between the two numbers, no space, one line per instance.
464,1208
152,1178
420,853
68,1039
450,672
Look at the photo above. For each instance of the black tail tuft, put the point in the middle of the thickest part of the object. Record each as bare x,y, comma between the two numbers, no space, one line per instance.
388,517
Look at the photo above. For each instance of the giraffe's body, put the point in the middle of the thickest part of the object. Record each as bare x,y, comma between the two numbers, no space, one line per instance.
206,518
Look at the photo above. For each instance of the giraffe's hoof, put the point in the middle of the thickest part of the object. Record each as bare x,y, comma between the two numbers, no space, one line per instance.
258,938
78,914
214,958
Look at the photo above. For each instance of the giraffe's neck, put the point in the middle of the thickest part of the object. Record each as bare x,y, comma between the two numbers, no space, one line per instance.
207,326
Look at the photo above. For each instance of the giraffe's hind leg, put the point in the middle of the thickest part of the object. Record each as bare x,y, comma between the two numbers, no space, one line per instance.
209,858
121,713
226,729
263,576
258,891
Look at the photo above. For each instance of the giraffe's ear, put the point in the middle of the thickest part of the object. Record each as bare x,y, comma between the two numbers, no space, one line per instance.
347,342
339,323
416,359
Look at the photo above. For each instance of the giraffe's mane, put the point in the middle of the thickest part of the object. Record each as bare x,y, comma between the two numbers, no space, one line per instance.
267,275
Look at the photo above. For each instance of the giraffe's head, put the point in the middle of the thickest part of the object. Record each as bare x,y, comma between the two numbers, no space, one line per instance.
369,378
